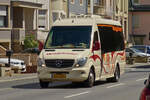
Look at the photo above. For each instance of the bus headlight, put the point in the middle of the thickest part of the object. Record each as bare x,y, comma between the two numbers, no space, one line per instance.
81,62
41,62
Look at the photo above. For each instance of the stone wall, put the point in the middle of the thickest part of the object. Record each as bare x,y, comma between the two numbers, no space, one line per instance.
29,59
16,47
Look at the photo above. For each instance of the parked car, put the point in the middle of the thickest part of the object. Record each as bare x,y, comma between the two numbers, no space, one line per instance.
145,94
143,48
135,53
16,64
138,55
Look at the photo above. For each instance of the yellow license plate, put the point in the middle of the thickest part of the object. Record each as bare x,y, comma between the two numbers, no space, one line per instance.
56,75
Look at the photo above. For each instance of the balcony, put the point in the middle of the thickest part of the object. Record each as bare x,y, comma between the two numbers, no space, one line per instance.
98,10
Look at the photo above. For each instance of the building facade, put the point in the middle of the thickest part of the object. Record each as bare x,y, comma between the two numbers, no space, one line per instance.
45,20
113,9
24,21
59,9
98,7
139,13
120,8
5,24
77,7
17,19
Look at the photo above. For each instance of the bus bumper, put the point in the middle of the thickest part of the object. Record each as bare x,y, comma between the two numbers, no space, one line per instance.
74,75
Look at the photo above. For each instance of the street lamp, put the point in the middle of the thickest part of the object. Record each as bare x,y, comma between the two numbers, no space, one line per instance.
8,54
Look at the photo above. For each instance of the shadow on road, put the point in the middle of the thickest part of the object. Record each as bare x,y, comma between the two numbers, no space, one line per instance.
27,86
58,85
142,67
138,69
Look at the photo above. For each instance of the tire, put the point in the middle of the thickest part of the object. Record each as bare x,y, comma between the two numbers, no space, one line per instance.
44,84
116,76
77,84
91,79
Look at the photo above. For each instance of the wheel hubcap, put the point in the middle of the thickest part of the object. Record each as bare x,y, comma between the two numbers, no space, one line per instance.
117,74
91,78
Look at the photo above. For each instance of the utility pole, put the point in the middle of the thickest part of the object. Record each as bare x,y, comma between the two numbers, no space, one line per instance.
92,6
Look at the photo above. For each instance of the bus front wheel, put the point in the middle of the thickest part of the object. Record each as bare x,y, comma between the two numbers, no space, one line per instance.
44,84
90,81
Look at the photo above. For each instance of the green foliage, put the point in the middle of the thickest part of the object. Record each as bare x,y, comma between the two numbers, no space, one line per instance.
30,42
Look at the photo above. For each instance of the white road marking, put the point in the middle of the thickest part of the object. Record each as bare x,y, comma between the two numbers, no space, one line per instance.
17,79
141,79
116,85
73,95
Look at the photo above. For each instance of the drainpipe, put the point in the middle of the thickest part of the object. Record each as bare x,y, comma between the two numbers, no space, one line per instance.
92,6
68,9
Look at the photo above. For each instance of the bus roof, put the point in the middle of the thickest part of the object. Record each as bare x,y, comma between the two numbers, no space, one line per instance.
85,20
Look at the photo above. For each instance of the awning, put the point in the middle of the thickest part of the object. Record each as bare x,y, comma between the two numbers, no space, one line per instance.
26,4
4,2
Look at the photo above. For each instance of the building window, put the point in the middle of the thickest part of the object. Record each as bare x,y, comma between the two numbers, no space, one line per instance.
58,15
55,16
135,21
81,2
3,16
42,19
72,1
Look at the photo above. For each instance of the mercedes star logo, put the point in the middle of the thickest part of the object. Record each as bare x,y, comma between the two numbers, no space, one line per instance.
59,63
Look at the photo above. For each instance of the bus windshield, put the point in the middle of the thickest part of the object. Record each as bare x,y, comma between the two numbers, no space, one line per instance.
69,37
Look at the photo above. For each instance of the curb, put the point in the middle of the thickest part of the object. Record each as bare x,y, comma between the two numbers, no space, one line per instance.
17,78
137,65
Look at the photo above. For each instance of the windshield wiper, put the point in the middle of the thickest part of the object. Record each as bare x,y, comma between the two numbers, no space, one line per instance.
49,49
78,50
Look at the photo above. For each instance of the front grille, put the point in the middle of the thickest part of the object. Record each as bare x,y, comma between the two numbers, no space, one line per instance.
59,63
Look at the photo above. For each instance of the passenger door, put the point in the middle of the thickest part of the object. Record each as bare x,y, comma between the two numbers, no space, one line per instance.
96,49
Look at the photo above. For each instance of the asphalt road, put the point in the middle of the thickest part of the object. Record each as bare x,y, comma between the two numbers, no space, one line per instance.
129,88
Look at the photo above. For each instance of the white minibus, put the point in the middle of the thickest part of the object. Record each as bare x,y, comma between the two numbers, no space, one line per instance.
82,49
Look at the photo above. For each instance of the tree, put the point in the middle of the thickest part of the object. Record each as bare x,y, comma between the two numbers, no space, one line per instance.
30,42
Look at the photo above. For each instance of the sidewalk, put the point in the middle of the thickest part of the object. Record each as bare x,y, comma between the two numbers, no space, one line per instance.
137,65
16,77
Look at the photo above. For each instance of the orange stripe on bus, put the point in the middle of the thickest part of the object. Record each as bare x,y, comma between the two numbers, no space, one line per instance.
115,28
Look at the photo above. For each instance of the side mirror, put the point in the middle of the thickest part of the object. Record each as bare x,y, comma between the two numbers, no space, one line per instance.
130,54
145,82
41,45
96,46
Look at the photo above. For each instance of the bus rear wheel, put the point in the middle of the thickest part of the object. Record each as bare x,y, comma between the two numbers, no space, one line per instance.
116,76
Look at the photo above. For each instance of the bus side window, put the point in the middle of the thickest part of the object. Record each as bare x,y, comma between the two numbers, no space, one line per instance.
96,43
95,37
111,40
